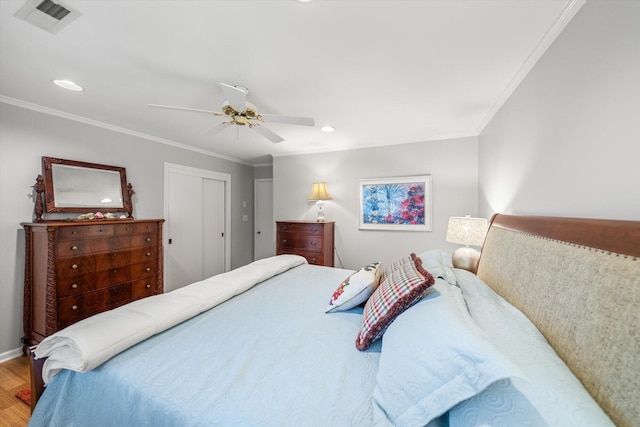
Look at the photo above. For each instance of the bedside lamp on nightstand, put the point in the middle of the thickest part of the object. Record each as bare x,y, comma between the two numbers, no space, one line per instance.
469,232
319,194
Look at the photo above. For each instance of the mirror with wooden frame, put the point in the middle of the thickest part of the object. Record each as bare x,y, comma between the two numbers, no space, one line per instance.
74,186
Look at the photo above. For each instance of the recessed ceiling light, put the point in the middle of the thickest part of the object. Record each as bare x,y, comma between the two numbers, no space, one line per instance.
327,128
304,1
69,85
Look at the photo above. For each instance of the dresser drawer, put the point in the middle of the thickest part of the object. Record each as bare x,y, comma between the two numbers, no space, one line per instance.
291,241
89,282
86,231
104,278
144,240
137,228
74,248
313,258
74,308
312,229
70,267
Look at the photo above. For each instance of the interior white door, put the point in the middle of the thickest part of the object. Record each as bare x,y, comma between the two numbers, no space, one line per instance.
197,224
264,240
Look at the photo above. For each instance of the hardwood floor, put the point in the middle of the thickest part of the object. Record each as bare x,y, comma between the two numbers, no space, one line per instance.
14,376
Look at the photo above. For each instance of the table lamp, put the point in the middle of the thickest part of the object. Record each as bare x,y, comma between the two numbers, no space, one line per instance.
469,232
319,194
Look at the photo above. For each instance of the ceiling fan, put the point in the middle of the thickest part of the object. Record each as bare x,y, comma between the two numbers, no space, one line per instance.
243,113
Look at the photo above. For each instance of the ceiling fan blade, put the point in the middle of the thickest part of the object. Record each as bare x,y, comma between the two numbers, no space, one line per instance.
170,107
236,96
216,128
302,121
268,134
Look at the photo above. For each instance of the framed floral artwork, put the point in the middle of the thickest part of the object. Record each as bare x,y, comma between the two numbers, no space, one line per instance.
401,204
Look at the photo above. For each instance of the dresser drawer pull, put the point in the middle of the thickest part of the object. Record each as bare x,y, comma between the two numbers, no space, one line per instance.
148,253
313,261
74,266
74,307
148,286
147,269
74,248
148,239
284,241
284,228
313,243
313,230
74,286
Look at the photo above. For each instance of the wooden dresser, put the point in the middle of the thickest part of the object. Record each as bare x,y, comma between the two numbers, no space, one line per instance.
76,269
310,239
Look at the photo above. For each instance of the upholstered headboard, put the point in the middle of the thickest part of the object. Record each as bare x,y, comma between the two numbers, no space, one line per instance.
578,280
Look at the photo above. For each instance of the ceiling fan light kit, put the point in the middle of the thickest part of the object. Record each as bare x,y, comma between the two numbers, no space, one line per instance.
243,113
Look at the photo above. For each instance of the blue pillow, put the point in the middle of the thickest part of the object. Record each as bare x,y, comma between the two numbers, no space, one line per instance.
552,397
434,357
438,263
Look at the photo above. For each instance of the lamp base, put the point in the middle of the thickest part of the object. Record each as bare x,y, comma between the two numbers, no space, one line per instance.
321,217
466,258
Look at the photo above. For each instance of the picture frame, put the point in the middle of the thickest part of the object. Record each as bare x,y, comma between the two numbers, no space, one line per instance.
398,204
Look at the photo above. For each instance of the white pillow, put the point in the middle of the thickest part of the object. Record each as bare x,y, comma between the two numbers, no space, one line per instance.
355,289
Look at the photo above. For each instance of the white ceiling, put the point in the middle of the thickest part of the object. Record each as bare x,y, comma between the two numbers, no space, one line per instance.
381,72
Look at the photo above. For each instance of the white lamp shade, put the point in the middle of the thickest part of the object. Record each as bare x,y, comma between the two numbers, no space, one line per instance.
466,230
319,192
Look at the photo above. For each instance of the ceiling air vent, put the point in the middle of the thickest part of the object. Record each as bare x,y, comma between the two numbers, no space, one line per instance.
49,16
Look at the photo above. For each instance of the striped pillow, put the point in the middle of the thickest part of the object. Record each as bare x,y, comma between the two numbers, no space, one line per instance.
400,289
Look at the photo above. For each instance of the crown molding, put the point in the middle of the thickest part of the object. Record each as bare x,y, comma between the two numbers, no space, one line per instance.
547,39
53,112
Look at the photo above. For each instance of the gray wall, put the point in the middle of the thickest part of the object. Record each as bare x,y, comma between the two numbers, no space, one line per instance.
263,172
567,142
452,165
26,136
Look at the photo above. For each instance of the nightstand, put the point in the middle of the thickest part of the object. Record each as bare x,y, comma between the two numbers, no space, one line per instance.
310,239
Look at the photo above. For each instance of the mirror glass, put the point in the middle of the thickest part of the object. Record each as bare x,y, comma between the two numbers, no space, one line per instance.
79,187
73,186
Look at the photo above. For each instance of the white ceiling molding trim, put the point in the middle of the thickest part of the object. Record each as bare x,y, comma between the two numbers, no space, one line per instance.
50,111
563,19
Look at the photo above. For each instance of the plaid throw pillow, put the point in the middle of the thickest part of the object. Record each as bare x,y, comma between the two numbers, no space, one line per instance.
400,289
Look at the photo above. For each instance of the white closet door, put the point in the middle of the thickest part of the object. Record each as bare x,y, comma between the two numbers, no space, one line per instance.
264,239
212,227
184,231
197,225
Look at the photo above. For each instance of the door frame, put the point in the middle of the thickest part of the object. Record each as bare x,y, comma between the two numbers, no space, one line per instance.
203,173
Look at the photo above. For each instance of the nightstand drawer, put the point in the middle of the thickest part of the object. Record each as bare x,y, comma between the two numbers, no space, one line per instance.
296,241
313,229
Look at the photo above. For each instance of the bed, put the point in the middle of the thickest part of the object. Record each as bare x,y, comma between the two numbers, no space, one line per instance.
547,333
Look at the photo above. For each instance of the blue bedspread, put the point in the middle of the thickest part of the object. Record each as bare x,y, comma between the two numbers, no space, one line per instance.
221,368
271,356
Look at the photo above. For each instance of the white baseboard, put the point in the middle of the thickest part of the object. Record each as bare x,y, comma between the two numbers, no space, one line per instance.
11,354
